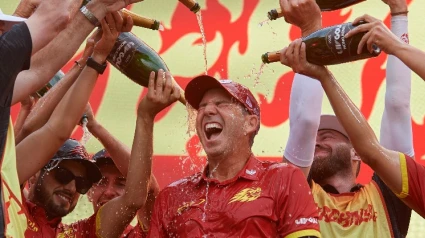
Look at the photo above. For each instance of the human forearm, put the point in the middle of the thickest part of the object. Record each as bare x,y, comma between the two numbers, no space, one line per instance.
136,188
360,133
304,117
41,71
45,106
119,152
412,57
22,116
396,126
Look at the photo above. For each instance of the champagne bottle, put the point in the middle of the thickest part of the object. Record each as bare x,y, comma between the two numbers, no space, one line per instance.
137,60
192,5
58,76
138,20
328,46
142,21
324,5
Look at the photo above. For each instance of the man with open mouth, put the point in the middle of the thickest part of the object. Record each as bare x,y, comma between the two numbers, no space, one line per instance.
236,195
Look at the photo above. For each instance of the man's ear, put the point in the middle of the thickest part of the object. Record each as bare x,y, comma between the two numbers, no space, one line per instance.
251,124
354,155
33,180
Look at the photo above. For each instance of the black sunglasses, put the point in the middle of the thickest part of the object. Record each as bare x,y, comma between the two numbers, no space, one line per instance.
65,176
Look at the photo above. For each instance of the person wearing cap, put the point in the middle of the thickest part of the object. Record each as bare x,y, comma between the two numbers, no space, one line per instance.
236,195
112,186
131,198
55,189
113,163
321,147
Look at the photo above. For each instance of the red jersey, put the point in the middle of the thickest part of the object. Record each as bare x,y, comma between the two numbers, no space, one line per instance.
263,200
413,184
37,223
88,228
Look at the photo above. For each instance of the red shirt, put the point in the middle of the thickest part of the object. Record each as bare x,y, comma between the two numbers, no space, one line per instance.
263,200
37,223
413,184
88,228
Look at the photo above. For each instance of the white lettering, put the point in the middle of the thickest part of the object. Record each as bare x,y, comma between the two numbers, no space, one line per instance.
303,221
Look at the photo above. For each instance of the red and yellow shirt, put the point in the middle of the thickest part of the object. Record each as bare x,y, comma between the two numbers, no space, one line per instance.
413,184
89,228
372,209
37,223
263,200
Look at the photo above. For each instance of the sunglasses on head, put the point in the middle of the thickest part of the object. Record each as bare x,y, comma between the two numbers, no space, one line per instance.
65,176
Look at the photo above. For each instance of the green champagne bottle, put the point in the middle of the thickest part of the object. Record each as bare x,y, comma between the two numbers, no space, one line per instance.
328,46
58,76
324,5
135,59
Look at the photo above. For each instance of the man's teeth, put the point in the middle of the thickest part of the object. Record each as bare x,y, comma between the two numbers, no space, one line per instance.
65,198
212,125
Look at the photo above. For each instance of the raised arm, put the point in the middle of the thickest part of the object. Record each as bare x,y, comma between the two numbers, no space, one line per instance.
396,126
62,47
306,95
48,20
37,149
160,95
384,162
378,34
26,108
45,106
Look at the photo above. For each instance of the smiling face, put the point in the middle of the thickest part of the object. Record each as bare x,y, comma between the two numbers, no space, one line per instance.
57,199
220,124
331,156
111,185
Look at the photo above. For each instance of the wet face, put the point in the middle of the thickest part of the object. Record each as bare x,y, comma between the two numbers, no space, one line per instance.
56,198
109,187
220,123
332,155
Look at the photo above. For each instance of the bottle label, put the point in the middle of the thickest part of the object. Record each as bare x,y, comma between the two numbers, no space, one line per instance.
336,41
123,52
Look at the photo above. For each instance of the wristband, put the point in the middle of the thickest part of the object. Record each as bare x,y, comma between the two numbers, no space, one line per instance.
399,13
100,68
89,15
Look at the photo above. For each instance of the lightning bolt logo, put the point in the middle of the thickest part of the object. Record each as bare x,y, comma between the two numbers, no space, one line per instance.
246,195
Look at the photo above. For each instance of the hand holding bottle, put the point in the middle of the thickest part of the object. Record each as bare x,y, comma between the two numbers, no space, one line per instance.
112,26
294,56
377,35
161,93
303,13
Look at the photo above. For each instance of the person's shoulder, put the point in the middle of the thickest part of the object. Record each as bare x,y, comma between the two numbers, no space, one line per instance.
186,182
283,167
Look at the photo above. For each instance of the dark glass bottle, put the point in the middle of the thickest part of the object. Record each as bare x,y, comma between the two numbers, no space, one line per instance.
328,46
58,76
137,60
324,5
192,5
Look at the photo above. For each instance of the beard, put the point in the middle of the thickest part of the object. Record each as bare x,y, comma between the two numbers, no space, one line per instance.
337,162
44,198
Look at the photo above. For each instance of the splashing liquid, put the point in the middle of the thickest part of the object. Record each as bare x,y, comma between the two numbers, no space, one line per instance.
259,73
204,40
260,24
86,133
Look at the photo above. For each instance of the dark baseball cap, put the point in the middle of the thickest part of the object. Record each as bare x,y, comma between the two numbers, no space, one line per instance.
198,86
102,157
73,150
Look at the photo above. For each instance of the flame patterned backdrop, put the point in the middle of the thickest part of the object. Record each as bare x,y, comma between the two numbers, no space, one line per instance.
235,42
